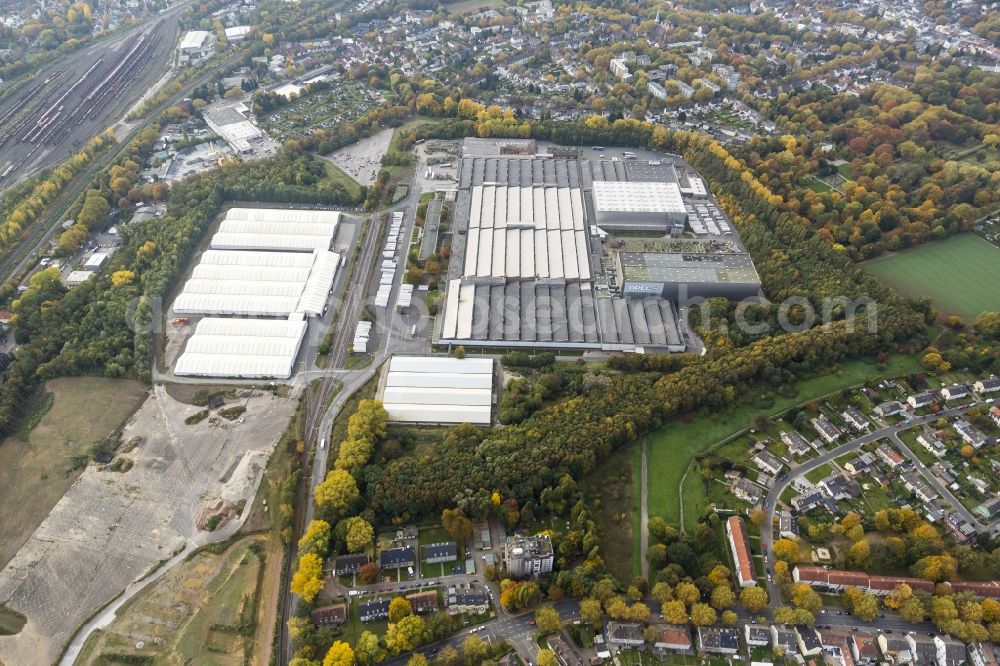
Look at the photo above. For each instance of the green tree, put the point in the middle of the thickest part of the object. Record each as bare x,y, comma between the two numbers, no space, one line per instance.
368,652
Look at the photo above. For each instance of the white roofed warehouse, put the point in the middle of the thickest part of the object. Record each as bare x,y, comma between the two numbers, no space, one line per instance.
244,348
418,389
267,273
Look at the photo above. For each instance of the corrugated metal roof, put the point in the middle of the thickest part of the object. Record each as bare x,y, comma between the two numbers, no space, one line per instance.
439,389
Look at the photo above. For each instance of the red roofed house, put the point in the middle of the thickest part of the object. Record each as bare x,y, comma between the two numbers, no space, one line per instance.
740,547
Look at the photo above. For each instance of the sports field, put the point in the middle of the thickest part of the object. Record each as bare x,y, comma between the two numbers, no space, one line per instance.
960,274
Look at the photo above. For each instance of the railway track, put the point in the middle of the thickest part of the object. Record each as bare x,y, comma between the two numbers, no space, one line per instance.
14,263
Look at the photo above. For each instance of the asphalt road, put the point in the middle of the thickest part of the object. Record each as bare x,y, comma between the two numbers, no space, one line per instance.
771,502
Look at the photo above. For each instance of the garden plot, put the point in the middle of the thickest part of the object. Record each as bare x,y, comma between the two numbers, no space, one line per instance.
112,528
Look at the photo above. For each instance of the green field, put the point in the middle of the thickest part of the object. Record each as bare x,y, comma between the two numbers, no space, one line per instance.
960,274
672,447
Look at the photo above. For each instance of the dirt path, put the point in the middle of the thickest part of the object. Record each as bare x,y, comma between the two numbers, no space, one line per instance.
644,514
267,607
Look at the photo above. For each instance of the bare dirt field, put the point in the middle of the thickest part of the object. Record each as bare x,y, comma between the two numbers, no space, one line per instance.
363,160
193,615
36,473
112,528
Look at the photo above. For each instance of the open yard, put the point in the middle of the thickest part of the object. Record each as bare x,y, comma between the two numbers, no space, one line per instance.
36,471
672,447
960,274
202,612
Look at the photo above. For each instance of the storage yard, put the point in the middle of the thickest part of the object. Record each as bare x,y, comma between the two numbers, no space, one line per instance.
272,265
535,262
418,389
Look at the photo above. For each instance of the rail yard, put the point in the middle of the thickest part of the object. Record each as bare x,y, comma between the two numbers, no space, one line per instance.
80,96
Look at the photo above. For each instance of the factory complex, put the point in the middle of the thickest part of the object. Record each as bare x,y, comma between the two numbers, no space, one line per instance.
267,272
551,250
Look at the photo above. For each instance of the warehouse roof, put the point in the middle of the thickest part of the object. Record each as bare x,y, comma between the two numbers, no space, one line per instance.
276,229
526,232
194,39
248,348
687,267
638,197
439,389
258,283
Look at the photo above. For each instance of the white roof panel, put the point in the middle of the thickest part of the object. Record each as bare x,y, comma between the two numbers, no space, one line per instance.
438,413
416,395
247,348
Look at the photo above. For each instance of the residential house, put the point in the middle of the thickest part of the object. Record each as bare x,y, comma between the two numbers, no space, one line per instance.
889,408
395,558
948,651
955,391
619,67
806,502
861,465
970,434
916,485
748,491
768,462
683,88
983,654
889,455
333,615
995,415
788,526
528,556
345,565
672,639
826,430
758,635
923,399
895,649
783,636
810,642
467,599
436,553
718,640
854,418
864,649
656,90
375,609
835,580
933,445
989,510
624,634
423,602
739,545
796,443
840,487
988,385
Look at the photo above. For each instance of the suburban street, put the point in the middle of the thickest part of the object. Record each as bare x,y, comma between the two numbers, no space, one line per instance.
774,495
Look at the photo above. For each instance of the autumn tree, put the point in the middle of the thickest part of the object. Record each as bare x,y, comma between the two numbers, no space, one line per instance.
399,608
358,533
674,612
786,550
456,524
339,654
407,634
754,599
336,494
475,650
546,658
316,538
805,597
590,611
722,597
308,579
547,619
702,615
